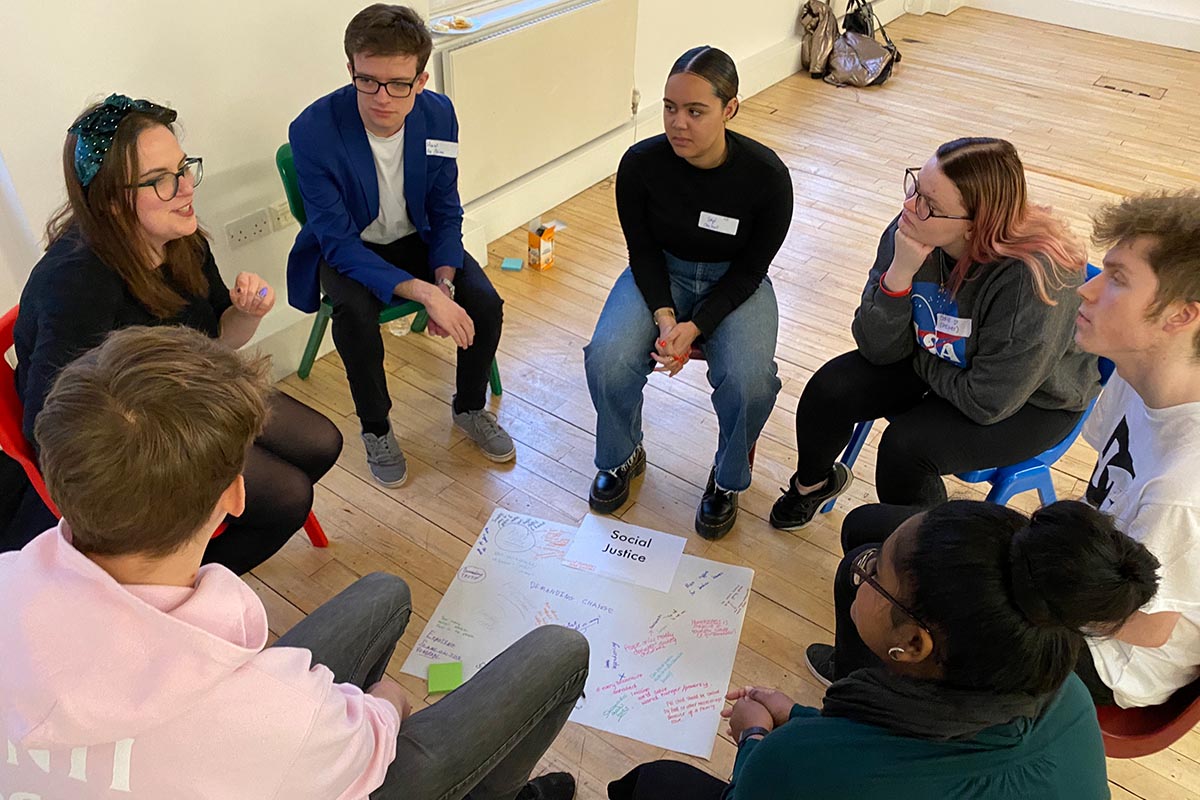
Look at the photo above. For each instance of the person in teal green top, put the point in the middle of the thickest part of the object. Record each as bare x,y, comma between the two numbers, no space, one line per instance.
971,617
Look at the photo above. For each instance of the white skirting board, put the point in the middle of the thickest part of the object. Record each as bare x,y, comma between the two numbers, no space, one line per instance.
1111,18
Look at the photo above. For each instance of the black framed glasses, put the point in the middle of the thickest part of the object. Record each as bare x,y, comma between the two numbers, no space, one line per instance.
913,189
865,568
166,185
397,89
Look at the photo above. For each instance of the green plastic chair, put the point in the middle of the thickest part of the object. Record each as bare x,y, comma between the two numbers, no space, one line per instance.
287,173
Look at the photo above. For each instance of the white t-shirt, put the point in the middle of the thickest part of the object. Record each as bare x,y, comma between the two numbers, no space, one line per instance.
392,222
1148,478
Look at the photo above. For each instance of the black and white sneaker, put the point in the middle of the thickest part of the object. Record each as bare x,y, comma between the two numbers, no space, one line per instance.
795,510
819,660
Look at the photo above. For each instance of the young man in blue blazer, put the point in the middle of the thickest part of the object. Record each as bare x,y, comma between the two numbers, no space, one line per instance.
377,167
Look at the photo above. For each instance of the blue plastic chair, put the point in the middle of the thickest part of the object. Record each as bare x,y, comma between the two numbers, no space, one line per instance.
1032,474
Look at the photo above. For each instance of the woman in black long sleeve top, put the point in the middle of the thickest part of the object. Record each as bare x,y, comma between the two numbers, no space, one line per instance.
125,251
704,211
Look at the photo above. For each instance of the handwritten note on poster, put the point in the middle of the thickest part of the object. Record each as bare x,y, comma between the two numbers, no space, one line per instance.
660,660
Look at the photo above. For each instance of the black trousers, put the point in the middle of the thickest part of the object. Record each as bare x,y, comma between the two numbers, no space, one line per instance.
359,342
926,438
666,780
866,527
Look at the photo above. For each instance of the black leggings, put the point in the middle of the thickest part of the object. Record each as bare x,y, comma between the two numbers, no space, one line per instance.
926,438
297,447
866,527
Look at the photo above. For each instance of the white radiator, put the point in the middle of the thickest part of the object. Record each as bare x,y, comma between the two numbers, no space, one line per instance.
535,91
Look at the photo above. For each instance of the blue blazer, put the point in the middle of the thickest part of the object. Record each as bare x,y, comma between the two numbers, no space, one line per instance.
340,189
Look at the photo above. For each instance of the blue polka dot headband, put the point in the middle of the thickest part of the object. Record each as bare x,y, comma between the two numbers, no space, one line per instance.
97,129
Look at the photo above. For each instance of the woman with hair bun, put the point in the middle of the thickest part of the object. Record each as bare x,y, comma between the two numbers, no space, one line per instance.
704,211
957,642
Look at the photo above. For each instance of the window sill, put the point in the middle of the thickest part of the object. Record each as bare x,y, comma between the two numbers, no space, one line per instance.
494,16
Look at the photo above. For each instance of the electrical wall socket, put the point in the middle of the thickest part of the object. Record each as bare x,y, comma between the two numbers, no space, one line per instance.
248,228
281,214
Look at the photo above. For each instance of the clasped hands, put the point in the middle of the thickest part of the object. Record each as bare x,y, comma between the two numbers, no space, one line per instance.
674,344
756,707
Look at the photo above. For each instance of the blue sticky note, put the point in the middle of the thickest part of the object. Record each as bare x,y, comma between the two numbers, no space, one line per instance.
512,264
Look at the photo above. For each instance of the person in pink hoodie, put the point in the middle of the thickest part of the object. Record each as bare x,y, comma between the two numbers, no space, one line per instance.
131,671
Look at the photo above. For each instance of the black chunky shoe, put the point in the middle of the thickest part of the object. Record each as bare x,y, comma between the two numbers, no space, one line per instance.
717,510
611,487
795,510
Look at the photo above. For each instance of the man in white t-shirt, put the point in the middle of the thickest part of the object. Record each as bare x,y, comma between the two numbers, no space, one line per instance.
377,166
1143,313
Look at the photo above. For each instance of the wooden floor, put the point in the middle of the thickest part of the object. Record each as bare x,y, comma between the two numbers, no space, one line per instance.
973,73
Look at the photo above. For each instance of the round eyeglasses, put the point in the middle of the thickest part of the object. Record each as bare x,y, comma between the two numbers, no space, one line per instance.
166,185
913,189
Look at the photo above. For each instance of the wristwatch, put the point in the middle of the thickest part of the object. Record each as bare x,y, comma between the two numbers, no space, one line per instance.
449,284
746,734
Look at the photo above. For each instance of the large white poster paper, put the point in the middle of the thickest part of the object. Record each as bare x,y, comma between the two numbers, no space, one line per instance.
660,662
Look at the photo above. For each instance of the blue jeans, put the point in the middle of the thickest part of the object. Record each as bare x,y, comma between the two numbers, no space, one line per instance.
741,367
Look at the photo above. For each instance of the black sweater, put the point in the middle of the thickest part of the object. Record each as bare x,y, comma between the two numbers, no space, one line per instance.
72,300
661,199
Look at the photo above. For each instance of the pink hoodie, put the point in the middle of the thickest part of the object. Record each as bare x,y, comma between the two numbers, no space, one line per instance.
111,691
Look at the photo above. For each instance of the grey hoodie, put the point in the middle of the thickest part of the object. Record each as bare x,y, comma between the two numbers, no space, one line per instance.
988,350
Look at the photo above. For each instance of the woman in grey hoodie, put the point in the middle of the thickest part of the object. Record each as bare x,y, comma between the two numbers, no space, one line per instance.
964,334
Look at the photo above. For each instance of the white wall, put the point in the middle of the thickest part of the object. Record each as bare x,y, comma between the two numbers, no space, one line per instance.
1175,23
18,245
743,29
1181,8
238,72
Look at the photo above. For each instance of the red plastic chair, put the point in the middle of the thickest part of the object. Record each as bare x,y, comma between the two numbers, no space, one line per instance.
1134,732
14,444
12,413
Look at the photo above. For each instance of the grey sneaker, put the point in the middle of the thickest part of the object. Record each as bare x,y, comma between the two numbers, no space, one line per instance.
385,459
486,432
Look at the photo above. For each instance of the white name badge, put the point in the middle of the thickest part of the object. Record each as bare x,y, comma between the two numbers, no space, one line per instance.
437,147
715,222
953,326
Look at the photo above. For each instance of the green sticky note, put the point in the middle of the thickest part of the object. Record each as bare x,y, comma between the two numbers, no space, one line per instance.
445,677
512,263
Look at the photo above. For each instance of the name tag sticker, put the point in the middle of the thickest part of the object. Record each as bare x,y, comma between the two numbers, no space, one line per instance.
437,147
954,326
715,222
